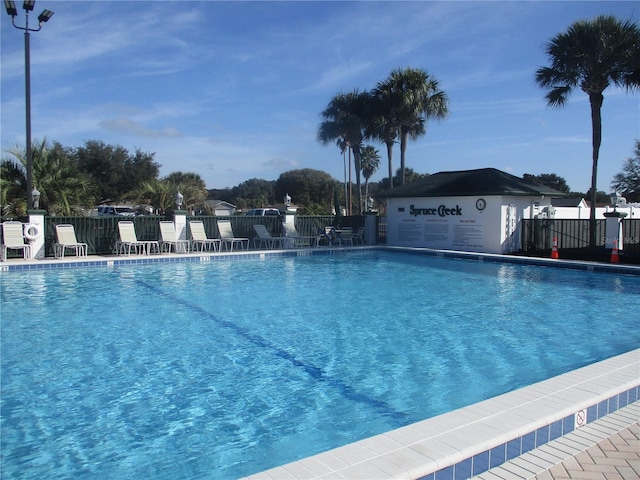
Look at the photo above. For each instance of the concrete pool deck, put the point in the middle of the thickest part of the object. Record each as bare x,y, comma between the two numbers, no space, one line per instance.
528,433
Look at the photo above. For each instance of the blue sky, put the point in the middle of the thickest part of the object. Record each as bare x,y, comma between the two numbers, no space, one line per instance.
234,90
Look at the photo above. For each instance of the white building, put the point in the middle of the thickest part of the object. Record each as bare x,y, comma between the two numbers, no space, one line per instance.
578,209
221,208
472,210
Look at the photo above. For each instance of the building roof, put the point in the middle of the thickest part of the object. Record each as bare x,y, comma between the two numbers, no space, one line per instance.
219,203
483,181
569,202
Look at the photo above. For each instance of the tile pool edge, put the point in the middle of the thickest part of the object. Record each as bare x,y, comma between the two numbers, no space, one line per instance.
473,439
118,260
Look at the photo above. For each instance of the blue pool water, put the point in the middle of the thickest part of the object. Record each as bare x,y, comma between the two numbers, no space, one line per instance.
225,368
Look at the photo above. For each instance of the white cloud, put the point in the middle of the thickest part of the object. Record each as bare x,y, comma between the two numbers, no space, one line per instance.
130,127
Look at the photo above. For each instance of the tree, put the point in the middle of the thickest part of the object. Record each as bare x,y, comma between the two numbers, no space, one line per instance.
549,180
412,98
345,121
190,185
117,174
370,159
592,55
63,189
410,176
627,182
313,189
157,193
384,126
13,187
253,193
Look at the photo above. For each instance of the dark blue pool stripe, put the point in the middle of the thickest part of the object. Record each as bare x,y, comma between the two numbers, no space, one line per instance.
399,418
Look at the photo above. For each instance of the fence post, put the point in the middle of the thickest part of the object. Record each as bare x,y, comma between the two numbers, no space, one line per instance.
36,217
370,228
180,222
613,229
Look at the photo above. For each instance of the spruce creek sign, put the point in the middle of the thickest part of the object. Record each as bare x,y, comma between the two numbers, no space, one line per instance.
441,211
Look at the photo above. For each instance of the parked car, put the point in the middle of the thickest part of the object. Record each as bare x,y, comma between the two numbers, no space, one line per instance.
261,212
120,211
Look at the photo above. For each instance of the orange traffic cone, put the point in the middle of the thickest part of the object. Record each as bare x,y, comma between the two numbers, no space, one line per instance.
614,253
554,250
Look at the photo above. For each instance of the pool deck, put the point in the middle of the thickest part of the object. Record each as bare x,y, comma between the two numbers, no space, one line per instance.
583,424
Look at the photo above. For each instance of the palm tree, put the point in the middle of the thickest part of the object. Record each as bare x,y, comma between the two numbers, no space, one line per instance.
190,185
370,160
161,194
345,119
384,126
592,54
13,188
157,193
64,190
414,97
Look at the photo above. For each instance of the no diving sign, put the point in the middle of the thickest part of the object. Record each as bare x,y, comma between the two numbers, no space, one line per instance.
581,418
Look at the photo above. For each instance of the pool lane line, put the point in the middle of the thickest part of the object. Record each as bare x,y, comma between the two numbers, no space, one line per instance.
399,418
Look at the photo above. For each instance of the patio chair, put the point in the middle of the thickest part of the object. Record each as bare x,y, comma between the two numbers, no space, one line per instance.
326,236
13,239
358,237
228,239
169,239
66,240
345,236
199,238
264,238
295,239
129,240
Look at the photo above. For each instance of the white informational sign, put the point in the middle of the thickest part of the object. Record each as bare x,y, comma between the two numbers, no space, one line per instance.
468,234
441,224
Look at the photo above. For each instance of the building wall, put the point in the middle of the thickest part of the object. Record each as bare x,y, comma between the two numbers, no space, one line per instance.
584,213
489,224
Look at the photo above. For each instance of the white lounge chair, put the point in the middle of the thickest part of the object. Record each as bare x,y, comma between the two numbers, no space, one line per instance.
13,239
129,240
296,240
228,239
169,239
66,240
264,238
199,238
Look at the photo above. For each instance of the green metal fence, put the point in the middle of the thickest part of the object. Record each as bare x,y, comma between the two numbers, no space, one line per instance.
101,233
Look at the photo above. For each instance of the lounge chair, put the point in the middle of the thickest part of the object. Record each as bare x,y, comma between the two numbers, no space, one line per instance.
264,238
228,239
358,237
129,240
295,239
199,238
169,239
345,236
66,240
13,239
327,236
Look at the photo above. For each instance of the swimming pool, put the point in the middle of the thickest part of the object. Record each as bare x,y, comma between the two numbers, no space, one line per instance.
222,369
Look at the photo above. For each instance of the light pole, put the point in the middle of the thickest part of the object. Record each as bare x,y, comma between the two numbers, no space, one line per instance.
44,17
